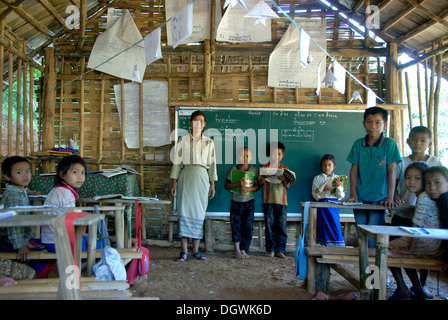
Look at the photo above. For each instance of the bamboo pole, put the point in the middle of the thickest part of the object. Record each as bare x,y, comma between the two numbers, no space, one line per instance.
408,92
420,97
401,112
101,126
207,71
81,111
25,105
123,116
61,103
31,118
11,81
430,107
436,104
18,104
140,129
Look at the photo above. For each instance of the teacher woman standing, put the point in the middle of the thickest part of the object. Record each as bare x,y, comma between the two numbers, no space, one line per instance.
194,169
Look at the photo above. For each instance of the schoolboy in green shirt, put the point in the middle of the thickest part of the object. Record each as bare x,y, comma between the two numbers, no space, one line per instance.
373,172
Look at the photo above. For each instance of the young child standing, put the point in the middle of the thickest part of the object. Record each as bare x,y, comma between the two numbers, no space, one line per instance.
17,172
419,141
70,175
328,224
373,171
275,201
427,215
242,204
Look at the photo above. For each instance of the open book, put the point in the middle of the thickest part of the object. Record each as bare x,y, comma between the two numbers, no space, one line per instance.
344,180
249,179
122,169
275,172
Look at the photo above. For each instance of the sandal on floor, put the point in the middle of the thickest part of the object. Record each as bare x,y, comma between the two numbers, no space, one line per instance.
398,296
199,256
183,257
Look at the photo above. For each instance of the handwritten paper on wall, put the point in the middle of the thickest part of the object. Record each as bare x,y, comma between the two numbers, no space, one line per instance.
123,34
234,27
156,125
285,67
201,18
153,49
182,25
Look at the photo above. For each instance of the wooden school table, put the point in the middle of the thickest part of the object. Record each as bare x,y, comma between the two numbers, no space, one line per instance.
62,243
381,234
123,232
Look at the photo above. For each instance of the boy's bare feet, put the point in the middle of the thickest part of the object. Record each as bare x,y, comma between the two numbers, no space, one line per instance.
280,255
244,254
271,254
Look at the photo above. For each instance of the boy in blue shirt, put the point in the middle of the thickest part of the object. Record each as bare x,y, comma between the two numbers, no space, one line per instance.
373,172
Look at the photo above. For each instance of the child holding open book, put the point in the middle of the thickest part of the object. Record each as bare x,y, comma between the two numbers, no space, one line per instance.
328,187
241,181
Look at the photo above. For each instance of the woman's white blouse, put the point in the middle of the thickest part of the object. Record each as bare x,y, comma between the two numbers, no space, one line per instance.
188,151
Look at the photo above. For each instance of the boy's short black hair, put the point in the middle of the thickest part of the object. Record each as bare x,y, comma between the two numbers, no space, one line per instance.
421,129
376,110
438,169
65,164
419,165
275,144
9,162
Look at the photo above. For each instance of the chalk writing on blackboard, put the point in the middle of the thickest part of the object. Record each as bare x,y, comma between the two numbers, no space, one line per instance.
297,135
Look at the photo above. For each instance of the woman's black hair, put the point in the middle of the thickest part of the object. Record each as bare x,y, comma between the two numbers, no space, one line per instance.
65,164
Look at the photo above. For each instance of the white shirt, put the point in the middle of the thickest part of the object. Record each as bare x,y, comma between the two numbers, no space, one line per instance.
319,183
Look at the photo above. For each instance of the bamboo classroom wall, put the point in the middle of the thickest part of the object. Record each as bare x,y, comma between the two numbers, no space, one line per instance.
17,135
85,108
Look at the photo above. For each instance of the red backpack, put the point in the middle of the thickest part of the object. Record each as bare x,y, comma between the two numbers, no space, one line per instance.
138,266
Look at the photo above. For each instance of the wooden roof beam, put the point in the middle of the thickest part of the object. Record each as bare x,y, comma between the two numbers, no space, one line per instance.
424,57
25,15
421,28
10,9
53,11
429,13
389,24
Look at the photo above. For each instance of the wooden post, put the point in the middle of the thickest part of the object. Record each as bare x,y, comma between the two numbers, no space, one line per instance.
363,264
408,92
31,117
436,104
18,104
100,133
81,110
48,105
25,104
11,81
392,94
207,71
382,242
123,117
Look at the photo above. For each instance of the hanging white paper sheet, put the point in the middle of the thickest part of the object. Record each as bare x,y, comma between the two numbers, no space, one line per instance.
285,69
153,49
304,48
182,25
234,27
261,12
121,43
339,72
201,18
371,98
156,125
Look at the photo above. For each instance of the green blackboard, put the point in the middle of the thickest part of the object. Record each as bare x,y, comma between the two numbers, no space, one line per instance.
306,134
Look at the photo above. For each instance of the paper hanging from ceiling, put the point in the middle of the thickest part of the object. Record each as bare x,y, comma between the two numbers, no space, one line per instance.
339,72
201,18
285,68
234,27
261,12
182,25
153,49
156,119
120,41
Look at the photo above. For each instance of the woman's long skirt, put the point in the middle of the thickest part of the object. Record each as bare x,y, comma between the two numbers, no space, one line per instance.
192,199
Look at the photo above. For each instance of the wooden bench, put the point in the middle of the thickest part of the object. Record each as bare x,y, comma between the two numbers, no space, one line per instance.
338,258
39,289
126,254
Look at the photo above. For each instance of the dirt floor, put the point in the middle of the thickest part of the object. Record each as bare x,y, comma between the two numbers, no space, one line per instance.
223,277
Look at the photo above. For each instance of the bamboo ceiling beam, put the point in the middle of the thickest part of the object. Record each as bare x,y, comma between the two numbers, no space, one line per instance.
399,17
429,13
25,15
82,24
53,11
6,43
10,9
421,28
424,57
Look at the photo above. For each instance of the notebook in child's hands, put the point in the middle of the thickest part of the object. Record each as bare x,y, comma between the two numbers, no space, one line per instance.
249,179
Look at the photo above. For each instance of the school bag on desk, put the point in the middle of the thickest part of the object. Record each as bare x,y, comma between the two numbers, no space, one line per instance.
111,266
138,266
300,253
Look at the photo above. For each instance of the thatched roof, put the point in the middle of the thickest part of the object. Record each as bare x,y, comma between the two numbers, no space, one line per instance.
416,25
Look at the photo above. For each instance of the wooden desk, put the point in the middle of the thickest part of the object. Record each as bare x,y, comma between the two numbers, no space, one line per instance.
123,232
64,255
382,233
